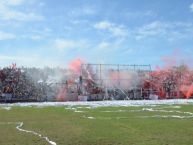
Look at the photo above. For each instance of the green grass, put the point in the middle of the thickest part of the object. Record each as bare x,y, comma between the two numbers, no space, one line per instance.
110,126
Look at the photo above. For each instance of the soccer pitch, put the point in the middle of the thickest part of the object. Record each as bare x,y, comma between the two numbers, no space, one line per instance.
104,125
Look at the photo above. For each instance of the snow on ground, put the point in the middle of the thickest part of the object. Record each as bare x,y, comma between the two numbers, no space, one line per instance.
94,104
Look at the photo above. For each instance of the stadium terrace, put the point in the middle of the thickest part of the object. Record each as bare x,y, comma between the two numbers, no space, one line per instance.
95,82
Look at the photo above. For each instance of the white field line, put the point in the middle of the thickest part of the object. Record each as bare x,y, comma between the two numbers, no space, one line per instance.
166,111
6,108
160,109
186,115
168,107
89,117
19,127
150,110
77,111
168,116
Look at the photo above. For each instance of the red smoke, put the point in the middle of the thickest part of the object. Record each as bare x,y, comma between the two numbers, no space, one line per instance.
75,65
62,94
190,91
173,80
187,83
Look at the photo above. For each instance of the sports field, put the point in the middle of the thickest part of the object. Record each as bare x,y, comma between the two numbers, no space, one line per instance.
104,125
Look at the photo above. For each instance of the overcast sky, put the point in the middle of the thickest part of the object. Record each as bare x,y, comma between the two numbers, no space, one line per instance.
54,32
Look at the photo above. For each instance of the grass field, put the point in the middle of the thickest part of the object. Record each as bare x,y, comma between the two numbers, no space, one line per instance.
82,125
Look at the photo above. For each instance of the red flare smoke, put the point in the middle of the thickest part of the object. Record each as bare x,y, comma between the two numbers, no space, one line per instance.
62,94
172,82
75,65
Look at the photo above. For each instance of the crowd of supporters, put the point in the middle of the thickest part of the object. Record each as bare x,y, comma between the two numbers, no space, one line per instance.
42,84
22,83
34,84
171,82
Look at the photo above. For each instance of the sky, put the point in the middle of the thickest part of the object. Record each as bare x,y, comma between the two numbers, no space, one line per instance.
38,33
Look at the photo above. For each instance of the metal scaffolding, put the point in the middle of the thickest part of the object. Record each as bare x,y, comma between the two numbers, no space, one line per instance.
113,81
